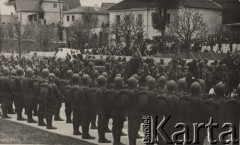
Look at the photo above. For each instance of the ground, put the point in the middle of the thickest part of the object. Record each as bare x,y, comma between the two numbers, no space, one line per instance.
15,133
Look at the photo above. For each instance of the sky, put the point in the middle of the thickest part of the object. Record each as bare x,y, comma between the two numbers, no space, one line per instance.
7,10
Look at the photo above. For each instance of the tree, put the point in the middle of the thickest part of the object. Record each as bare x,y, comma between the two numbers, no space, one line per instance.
80,32
11,3
188,24
127,29
44,35
160,18
2,35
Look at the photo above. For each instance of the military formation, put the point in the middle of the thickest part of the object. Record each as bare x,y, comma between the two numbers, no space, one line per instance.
119,90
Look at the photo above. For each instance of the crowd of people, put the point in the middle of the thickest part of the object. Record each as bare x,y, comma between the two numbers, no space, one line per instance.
119,89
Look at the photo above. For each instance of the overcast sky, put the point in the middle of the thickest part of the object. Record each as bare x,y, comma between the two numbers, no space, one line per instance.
8,10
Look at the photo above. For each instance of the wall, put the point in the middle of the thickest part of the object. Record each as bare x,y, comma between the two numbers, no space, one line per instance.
101,19
25,15
212,17
51,13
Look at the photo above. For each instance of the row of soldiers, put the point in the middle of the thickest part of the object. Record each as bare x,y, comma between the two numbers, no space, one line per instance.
113,88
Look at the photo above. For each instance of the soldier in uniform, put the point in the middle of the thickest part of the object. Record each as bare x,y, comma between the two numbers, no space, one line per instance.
86,108
18,93
77,102
133,114
162,85
5,91
213,108
51,101
67,96
41,97
181,88
102,109
117,113
28,95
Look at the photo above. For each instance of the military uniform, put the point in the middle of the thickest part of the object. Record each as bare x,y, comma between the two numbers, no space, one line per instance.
5,92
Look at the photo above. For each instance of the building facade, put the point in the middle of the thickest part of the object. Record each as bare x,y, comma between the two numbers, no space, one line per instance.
210,11
77,14
48,11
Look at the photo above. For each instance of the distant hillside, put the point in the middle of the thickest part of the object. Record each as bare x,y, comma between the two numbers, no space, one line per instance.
70,4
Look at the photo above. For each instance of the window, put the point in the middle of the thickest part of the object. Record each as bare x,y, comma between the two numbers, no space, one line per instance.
73,18
54,5
140,19
127,19
168,18
67,18
118,19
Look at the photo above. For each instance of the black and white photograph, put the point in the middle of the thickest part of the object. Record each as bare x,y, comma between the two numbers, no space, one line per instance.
119,72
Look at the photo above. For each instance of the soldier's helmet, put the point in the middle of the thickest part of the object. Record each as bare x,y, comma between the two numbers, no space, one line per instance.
203,84
75,78
29,72
118,81
14,72
132,82
105,74
118,75
148,77
86,79
136,76
171,85
181,84
195,88
69,73
162,81
96,74
51,77
151,82
90,64
5,70
219,88
45,72
101,80
20,71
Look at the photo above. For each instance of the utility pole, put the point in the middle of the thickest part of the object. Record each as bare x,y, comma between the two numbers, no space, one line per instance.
20,31
60,23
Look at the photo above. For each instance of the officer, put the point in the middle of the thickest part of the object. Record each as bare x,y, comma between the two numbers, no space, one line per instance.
5,91
18,93
102,109
133,113
13,74
41,97
86,108
51,100
28,94
77,95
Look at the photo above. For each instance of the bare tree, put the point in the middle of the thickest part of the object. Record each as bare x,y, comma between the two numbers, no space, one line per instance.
11,3
188,24
44,35
127,29
2,35
80,32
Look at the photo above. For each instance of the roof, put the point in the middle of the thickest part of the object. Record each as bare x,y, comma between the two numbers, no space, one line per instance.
70,4
107,5
28,5
7,19
128,4
87,9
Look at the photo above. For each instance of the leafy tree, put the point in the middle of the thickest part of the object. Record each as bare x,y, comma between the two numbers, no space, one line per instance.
188,25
